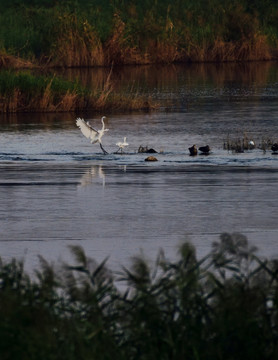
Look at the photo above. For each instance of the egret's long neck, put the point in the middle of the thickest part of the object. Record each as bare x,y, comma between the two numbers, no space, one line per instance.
103,125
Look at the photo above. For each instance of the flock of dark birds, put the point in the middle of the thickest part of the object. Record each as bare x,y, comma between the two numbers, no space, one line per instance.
96,135
205,150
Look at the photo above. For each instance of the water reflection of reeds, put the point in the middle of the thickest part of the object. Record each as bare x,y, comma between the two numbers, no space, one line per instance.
249,78
21,122
174,86
172,76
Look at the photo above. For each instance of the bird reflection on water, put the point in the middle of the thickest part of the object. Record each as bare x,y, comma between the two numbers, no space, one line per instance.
95,172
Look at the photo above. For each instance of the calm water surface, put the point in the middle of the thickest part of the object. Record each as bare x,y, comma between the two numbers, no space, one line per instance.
56,189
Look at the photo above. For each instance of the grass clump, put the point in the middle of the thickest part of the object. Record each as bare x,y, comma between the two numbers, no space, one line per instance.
223,306
23,91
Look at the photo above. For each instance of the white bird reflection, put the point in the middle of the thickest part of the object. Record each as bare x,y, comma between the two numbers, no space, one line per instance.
91,174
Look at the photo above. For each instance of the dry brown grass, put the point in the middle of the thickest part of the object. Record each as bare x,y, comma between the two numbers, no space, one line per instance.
17,102
80,47
69,102
120,102
106,91
49,100
163,52
11,104
13,62
116,49
110,99
253,49
46,102
76,45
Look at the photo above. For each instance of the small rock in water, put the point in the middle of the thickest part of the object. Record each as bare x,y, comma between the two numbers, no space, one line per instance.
151,158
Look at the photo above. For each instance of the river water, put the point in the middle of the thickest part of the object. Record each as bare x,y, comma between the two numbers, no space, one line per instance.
57,189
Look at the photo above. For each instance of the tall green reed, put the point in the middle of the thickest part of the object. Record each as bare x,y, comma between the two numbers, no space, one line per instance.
223,306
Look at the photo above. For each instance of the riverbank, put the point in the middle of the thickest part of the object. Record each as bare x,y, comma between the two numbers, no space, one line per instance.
42,36
74,34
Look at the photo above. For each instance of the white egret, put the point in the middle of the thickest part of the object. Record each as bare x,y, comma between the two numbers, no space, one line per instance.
122,145
90,133
251,145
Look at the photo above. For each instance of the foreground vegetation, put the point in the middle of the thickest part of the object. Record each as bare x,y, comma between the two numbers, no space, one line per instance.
224,306
88,33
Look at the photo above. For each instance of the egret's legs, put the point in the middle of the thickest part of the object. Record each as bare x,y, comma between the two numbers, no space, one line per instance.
102,148
120,150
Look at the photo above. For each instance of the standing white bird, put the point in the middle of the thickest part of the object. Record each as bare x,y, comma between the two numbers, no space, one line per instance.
122,145
251,145
90,133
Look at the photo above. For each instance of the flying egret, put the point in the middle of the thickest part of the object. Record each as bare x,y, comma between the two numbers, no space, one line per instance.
122,145
90,133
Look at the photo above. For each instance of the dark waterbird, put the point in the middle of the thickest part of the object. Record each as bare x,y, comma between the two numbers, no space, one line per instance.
274,147
145,149
204,149
193,150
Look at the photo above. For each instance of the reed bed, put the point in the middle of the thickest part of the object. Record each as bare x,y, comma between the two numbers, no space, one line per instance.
22,91
245,142
98,33
223,306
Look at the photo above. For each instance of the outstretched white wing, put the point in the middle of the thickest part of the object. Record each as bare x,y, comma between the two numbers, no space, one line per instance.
86,129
